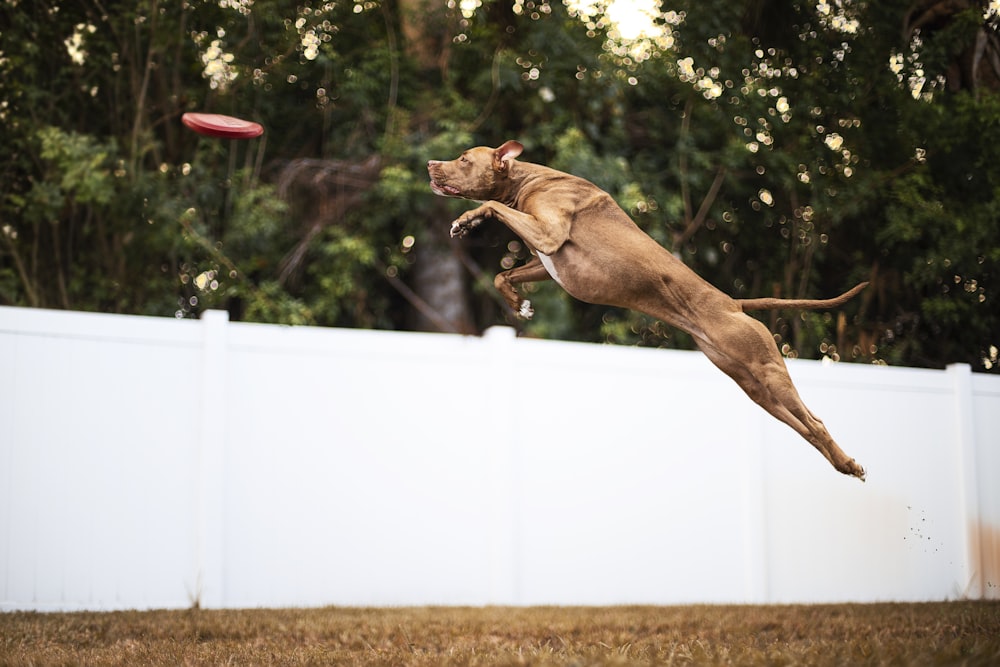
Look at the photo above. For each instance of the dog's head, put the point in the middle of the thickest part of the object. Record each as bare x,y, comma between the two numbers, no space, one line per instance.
478,173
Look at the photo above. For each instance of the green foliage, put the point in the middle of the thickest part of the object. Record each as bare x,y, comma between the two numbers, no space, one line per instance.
271,303
768,144
79,164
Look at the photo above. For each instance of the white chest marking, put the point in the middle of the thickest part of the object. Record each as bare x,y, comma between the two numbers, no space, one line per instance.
547,263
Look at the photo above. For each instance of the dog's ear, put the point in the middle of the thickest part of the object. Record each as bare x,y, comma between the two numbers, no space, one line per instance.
503,155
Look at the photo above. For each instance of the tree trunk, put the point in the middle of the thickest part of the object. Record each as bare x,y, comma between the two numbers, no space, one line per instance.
439,277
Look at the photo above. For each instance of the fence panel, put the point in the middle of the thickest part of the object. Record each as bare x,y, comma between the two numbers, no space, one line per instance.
150,462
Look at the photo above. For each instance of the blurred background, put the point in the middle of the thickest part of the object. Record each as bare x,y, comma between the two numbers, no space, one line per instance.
778,147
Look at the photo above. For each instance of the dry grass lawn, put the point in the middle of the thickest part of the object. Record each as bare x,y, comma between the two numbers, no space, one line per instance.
880,634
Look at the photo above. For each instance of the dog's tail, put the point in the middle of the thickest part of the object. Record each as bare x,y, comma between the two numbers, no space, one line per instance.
800,304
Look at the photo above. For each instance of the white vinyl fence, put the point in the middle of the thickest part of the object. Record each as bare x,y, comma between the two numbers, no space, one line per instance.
150,463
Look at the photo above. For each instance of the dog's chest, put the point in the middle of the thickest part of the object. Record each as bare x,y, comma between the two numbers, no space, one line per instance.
550,267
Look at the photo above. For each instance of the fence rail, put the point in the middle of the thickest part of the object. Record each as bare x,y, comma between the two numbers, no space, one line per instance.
150,462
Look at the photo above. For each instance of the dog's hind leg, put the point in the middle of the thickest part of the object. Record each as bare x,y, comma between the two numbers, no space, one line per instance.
506,282
744,350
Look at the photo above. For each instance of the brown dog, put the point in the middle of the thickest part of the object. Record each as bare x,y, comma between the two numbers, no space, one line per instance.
585,242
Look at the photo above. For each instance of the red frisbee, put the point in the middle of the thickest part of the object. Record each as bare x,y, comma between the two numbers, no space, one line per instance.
217,125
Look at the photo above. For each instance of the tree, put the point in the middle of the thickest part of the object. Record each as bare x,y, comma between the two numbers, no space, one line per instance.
781,147
834,168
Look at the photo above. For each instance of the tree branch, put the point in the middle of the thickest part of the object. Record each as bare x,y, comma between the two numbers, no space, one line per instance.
140,103
22,271
706,204
494,94
682,163
416,301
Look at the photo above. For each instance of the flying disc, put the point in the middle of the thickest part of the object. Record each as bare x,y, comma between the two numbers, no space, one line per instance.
226,127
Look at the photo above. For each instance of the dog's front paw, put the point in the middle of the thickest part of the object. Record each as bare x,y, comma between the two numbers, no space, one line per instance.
465,224
457,230
525,312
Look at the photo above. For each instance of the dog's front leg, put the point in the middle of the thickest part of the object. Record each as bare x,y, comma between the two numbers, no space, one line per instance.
545,237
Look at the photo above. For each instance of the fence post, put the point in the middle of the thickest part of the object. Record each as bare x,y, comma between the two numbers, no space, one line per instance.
504,497
965,435
211,463
756,588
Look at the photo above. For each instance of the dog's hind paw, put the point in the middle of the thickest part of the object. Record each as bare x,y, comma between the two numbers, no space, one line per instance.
852,468
526,311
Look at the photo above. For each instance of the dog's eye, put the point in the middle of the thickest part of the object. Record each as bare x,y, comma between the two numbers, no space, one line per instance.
463,160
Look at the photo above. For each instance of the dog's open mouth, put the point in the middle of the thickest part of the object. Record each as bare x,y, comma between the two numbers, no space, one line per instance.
445,190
